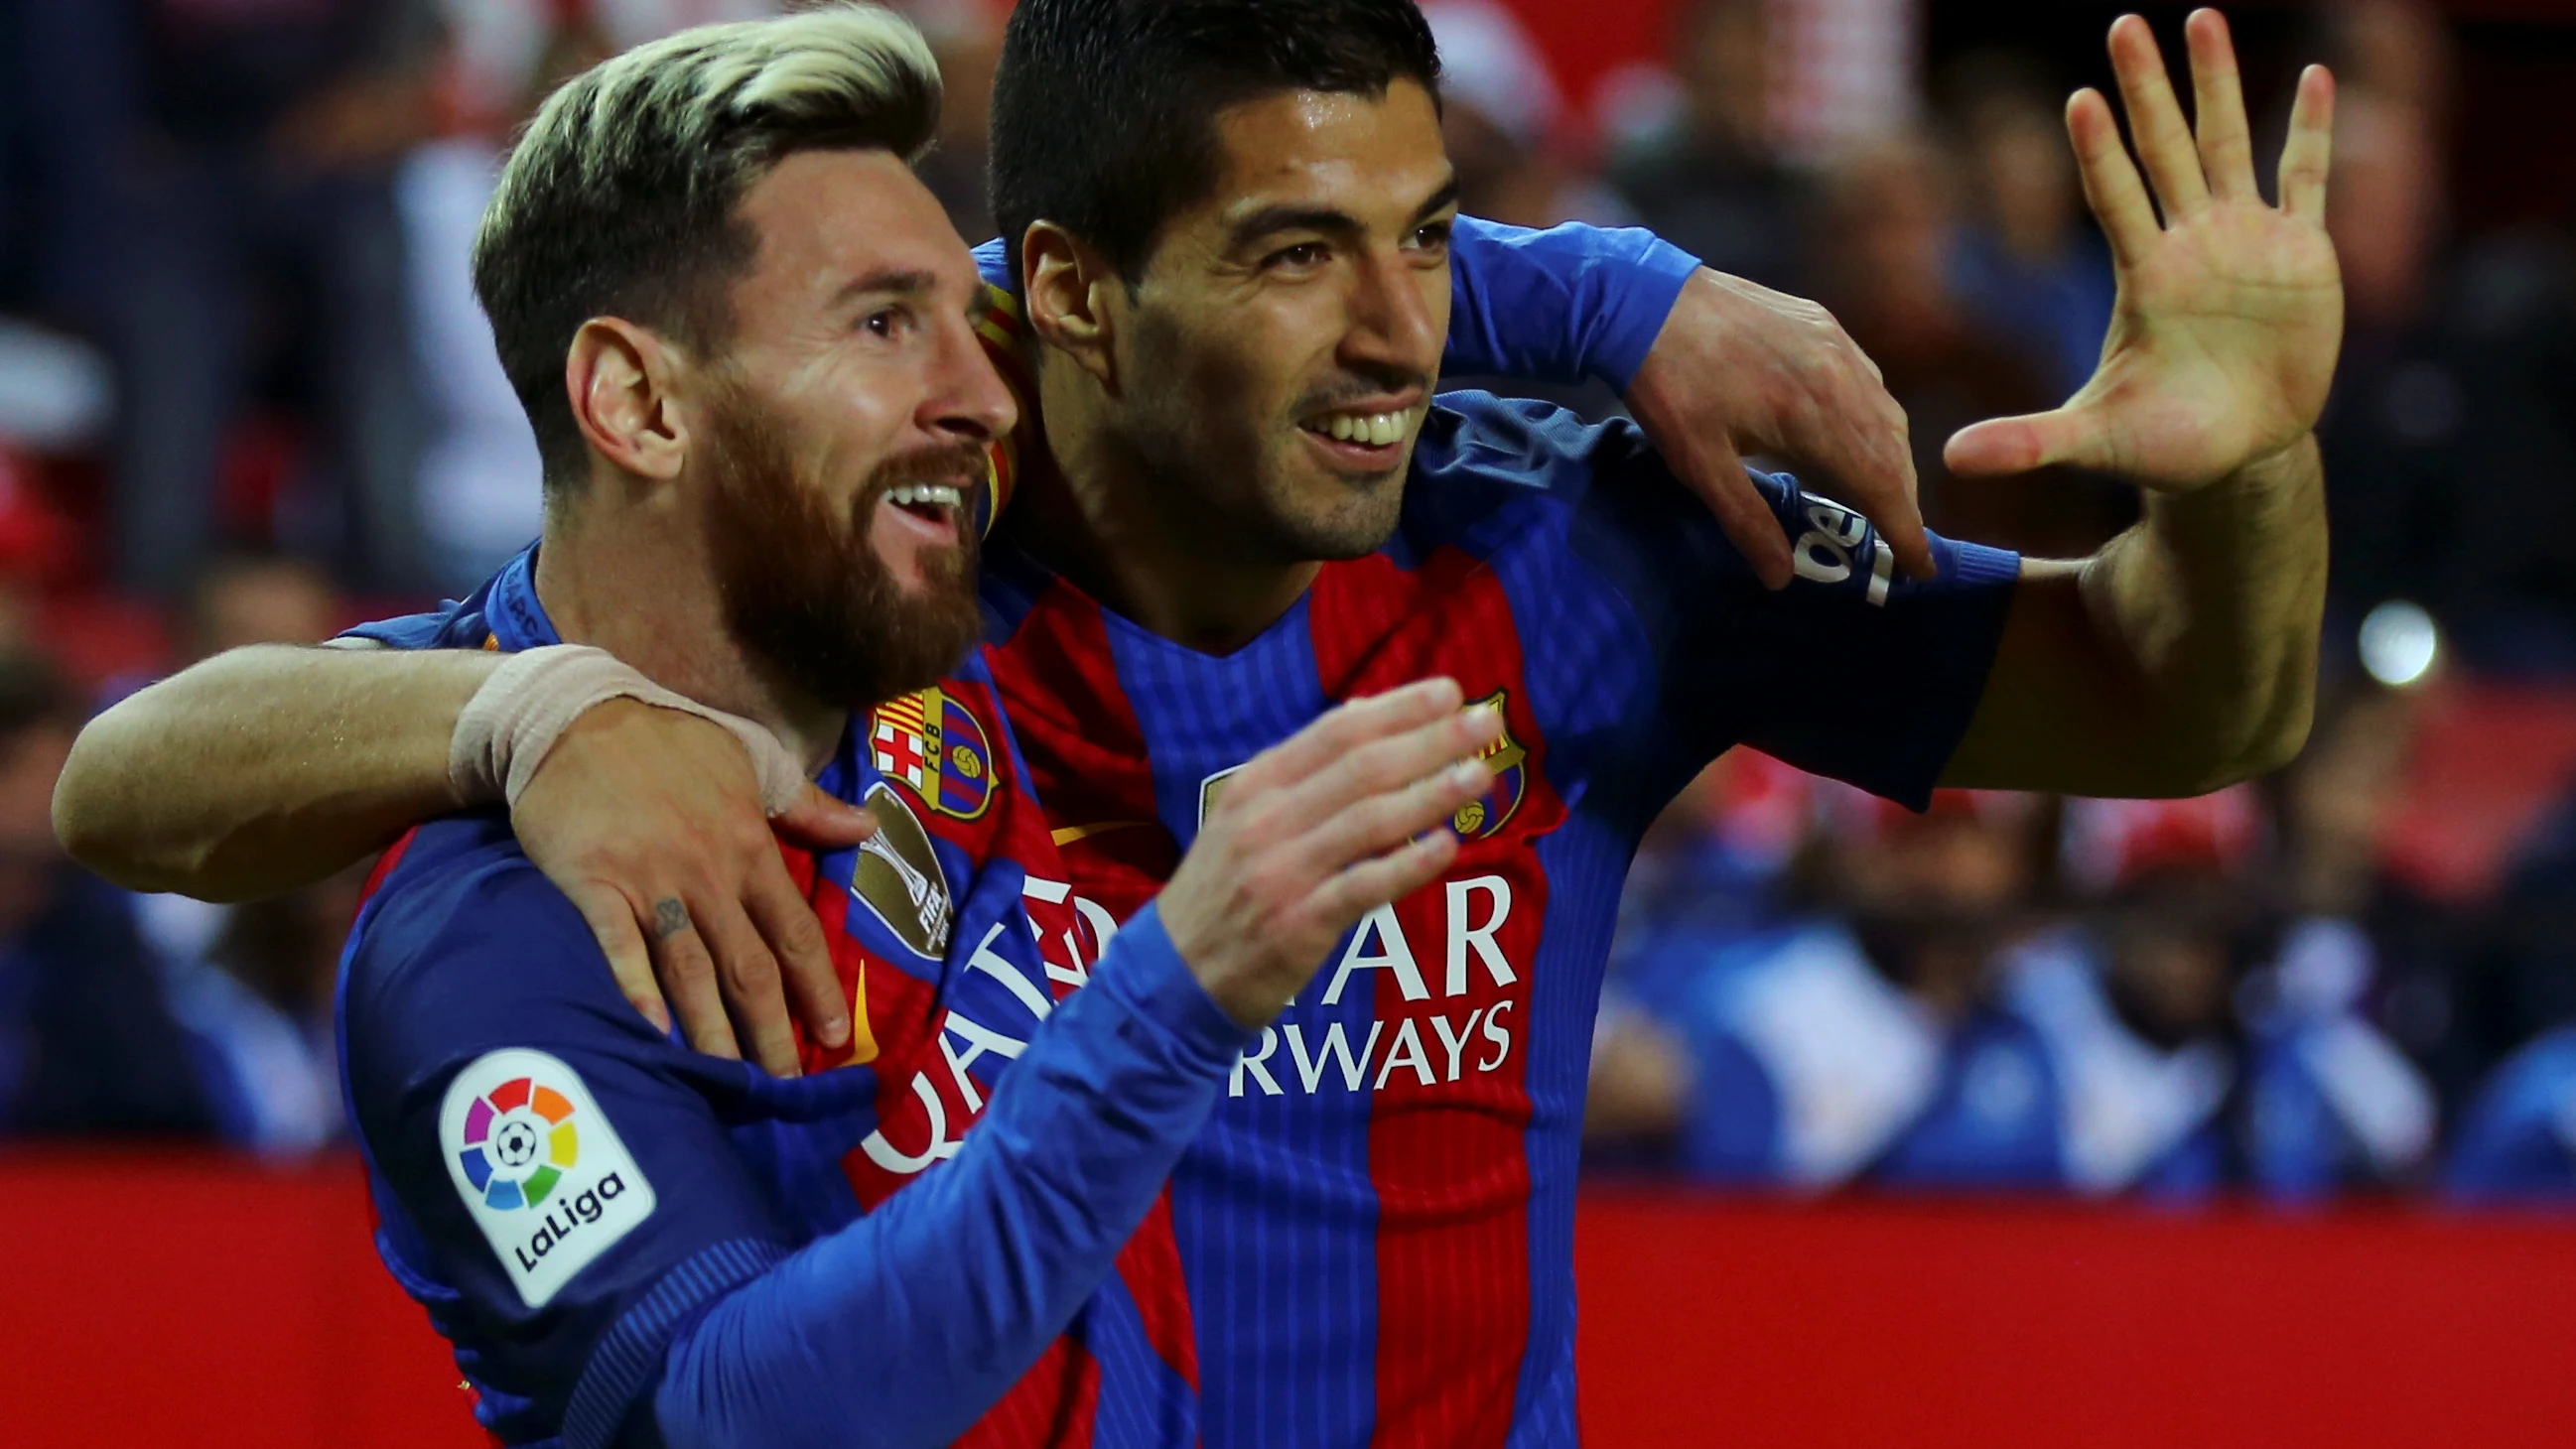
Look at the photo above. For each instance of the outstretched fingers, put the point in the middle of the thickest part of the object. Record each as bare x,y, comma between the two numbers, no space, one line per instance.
2308,155
2111,184
2218,108
2155,119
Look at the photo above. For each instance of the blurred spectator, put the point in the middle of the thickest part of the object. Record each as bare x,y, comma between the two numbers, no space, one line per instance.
966,36
246,234
2448,436
2517,1141
88,1043
252,983
1864,1038
1890,221
1711,180
2029,263
252,599
260,999
1504,119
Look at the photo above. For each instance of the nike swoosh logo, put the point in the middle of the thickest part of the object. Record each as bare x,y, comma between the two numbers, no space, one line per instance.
1072,833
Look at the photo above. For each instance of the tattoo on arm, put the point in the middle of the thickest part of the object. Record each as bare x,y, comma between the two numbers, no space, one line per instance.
670,918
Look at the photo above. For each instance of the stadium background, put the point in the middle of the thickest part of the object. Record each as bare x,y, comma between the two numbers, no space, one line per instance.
243,396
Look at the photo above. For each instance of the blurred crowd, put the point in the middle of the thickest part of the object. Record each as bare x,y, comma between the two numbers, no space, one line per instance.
246,395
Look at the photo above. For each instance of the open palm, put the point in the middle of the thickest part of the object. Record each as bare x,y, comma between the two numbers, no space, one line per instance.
2223,340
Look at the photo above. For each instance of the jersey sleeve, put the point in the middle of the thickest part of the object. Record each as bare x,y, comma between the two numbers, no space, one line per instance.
1564,305
556,1179
1853,671
902,1328
409,631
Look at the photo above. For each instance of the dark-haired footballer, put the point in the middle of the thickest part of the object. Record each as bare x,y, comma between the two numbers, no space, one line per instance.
1228,228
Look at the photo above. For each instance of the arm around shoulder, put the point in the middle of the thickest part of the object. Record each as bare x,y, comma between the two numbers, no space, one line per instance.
265,768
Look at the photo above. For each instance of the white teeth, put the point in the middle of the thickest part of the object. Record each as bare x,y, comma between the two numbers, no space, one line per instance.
1378,430
937,495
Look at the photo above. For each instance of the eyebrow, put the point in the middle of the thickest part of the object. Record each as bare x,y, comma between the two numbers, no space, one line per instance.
1271,219
894,281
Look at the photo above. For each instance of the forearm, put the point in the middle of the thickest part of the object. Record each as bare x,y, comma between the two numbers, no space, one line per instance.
904,1326
265,768
2215,602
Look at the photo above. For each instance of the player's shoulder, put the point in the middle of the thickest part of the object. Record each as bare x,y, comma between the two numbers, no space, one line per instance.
1518,477
462,938
1479,439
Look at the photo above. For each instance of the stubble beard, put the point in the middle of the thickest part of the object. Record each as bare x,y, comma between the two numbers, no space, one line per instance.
805,593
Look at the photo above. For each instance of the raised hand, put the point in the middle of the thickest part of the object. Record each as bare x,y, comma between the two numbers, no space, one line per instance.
1342,817
2230,312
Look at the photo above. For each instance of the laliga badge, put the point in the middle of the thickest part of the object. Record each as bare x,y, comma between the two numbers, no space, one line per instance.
541,1171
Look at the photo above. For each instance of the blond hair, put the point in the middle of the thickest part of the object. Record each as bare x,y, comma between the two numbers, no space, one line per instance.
619,197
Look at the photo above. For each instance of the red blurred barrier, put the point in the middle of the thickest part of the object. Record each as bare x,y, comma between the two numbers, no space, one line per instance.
189,1300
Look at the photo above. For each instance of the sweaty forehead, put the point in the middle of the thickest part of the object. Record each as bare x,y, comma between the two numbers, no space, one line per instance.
827,217
1354,153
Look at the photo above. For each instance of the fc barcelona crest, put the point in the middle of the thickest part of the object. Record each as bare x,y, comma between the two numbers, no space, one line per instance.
934,744
1480,819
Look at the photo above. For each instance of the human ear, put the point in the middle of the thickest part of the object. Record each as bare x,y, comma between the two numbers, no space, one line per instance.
618,378
1068,289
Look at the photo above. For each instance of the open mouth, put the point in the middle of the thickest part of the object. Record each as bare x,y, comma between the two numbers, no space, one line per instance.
939,505
1368,436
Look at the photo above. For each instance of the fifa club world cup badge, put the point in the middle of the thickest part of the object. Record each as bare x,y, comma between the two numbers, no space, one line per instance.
896,875
542,1172
932,742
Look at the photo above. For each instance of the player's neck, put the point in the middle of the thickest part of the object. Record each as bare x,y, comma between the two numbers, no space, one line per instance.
1140,544
637,581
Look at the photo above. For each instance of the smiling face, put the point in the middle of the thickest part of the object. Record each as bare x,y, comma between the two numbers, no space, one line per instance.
1277,355
845,428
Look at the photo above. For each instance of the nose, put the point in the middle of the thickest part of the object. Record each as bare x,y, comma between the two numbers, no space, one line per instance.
1399,316
968,400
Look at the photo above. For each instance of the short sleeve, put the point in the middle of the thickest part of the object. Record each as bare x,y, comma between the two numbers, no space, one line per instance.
1853,671
557,1184
1564,305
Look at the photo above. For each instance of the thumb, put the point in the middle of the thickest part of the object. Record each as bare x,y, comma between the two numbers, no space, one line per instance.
820,821
2001,446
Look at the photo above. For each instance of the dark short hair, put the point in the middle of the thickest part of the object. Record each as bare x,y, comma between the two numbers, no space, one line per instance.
1104,111
619,200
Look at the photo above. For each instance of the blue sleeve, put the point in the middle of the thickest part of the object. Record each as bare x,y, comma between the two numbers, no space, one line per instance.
557,1291
901,1328
1564,305
1853,671
1650,646
410,631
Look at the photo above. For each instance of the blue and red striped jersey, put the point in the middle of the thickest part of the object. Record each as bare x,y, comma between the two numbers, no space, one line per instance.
1374,1233
1371,1240
955,946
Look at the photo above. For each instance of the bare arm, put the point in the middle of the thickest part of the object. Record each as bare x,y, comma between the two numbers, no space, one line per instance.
2182,657
271,767
265,768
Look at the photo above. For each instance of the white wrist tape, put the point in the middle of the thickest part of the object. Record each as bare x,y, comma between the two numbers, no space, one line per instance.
527,704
